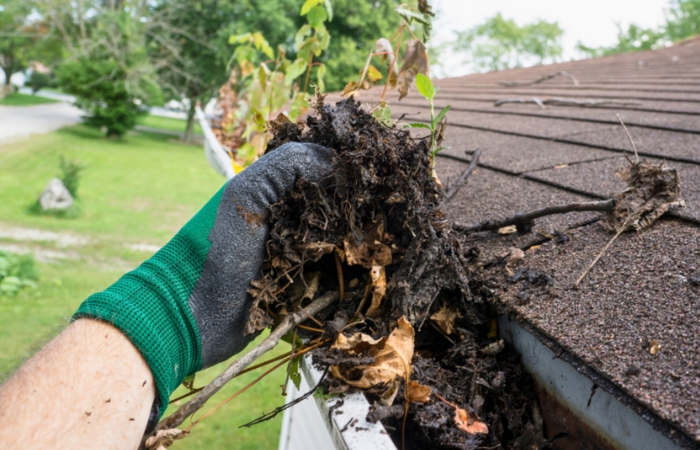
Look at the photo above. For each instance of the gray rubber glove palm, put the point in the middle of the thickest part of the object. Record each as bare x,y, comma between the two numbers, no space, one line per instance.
186,308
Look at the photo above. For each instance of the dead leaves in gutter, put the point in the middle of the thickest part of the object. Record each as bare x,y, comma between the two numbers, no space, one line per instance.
392,357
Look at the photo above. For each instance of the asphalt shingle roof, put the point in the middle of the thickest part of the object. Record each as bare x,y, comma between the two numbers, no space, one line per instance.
647,287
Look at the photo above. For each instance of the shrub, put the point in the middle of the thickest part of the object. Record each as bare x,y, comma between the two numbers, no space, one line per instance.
70,175
38,81
17,272
101,90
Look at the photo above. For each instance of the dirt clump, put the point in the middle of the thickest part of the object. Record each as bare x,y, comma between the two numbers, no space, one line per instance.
412,311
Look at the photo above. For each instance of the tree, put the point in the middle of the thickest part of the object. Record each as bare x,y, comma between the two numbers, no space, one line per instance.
107,67
682,22
682,19
17,36
500,43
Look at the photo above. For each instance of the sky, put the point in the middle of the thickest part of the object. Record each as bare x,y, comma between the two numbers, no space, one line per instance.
591,21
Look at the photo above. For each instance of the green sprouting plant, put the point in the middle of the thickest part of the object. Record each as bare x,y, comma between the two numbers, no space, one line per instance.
70,174
269,81
414,66
437,123
17,272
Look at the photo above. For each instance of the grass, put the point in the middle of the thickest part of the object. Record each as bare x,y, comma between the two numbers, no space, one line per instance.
140,189
17,99
167,123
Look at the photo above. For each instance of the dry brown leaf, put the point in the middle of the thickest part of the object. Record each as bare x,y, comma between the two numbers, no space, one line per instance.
418,393
508,230
445,318
350,88
392,359
651,190
469,423
165,438
415,61
515,256
381,255
378,277
494,348
357,343
655,347
357,255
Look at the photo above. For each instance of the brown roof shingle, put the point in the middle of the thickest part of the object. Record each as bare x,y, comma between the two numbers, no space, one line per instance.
647,287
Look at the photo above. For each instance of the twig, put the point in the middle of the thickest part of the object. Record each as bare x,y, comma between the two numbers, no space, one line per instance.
341,280
521,218
279,409
541,79
561,101
634,147
237,366
462,180
595,261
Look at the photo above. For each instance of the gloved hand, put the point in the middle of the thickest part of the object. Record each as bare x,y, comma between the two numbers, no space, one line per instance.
185,308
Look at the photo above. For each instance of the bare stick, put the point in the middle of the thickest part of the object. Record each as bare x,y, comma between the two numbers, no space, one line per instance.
561,101
541,79
595,261
462,180
521,218
634,147
237,366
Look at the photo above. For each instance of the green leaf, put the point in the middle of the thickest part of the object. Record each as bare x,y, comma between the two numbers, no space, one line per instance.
383,115
301,35
425,86
308,4
441,115
329,9
294,374
262,45
239,39
409,16
294,70
317,16
259,120
418,125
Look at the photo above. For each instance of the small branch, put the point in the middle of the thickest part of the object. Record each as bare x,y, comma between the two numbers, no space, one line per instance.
595,261
560,101
462,180
276,411
541,79
237,366
521,218
634,147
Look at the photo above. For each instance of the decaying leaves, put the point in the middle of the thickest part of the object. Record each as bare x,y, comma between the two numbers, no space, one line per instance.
494,348
469,423
445,318
378,277
651,190
165,438
383,46
418,393
415,62
392,358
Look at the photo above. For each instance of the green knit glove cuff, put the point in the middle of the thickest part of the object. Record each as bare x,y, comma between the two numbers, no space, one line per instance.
150,304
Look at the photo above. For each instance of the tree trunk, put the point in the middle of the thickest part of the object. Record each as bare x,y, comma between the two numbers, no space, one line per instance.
189,131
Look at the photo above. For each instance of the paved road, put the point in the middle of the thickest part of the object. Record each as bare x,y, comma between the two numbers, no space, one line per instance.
19,122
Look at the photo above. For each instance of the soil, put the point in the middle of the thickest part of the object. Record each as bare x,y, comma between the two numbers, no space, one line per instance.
376,231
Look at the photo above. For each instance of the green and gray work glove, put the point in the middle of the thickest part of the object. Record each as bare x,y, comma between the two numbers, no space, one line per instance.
186,307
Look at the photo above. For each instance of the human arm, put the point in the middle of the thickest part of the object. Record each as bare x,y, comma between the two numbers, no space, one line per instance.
88,385
184,309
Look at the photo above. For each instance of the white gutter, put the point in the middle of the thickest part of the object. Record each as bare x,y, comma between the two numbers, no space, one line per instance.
214,152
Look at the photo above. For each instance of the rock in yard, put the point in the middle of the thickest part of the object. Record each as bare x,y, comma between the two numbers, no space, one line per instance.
55,197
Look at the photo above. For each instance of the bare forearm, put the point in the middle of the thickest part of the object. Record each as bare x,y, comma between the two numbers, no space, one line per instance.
88,385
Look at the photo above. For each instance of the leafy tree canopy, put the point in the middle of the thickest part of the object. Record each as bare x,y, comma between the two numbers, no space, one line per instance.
682,21
500,43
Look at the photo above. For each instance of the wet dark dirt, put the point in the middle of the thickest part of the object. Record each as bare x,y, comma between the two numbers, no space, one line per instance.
381,212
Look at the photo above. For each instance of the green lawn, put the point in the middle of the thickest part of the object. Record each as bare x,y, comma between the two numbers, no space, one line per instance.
17,99
140,190
167,123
